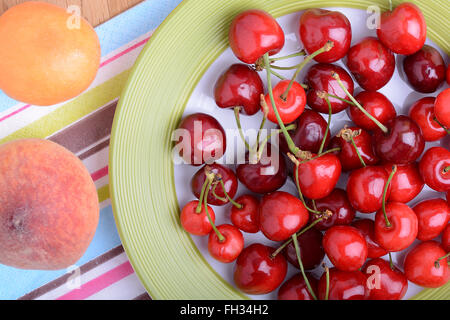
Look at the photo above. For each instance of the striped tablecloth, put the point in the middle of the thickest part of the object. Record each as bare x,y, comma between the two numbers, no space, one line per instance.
83,125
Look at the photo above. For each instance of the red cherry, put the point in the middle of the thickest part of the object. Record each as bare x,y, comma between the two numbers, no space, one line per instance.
406,183
445,241
337,202
202,139
403,144
344,285
319,79
441,109
367,228
422,112
433,216
318,177
403,230
308,135
296,289
448,74
247,217
384,282
257,272
374,103
254,33
365,188
281,215
228,250
291,107
311,250
239,86
265,176
348,156
229,180
425,69
196,223
433,166
403,30
420,265
346,247
371,63
317,26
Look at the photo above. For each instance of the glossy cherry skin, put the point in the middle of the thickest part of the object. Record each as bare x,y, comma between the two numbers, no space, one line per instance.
445,240
422,112
346,247
406,183
342,211
311,250
266,175
317,26
348,156
425,69
296,289
281,215
228,250
239,86
385,283
308,135
319,79
432,168
253,33
403,144
344,285
365,188
377,105
290,108
403,30
441,109
371,63
229,179
318,177
420,265
256,272
433,216
403,230
196,223
202,139
367,228
247,217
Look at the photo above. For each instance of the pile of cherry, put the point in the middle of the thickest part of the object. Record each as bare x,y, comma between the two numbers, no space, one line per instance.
383,153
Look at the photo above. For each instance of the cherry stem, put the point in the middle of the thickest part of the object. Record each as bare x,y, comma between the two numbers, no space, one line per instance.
339,98
219,235
330,112
378,123
386,187
198,209
302,269
217,196
327,278
263,144
446,169
265,108
300,53
237,205
357,152
284,68
349,135
443,127
391,263
238,122
276,74
437,263
390,5
322,154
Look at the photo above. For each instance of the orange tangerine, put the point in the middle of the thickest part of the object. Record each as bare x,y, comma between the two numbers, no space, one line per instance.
46,57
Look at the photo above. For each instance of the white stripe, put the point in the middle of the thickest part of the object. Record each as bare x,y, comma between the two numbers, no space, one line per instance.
125,289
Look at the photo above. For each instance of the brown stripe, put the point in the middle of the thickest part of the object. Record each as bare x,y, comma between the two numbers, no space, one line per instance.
83,269
94,150
143,296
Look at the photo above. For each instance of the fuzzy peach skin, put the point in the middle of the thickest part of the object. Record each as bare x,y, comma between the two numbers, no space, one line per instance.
49,208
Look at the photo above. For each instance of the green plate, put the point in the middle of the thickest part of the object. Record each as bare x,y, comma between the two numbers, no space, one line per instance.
141,170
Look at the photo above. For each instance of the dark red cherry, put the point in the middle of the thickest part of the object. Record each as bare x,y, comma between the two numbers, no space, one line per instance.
247,217
201,139
425,69
422,112
228,177
317,26
384,282
448,74
253,33
342,211
319,79
296,289
403,30
267,175
344,285
406,184
367,228
441,109
402,144
374,103
435,168
308,135
257,272
371,63
433,216
289,108
445,240
311,250
239,86
226,251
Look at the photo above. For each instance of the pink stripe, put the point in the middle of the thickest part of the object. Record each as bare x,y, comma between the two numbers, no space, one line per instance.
99,283
15,112
100,173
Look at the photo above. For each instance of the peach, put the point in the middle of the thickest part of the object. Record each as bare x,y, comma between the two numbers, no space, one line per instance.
49,208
